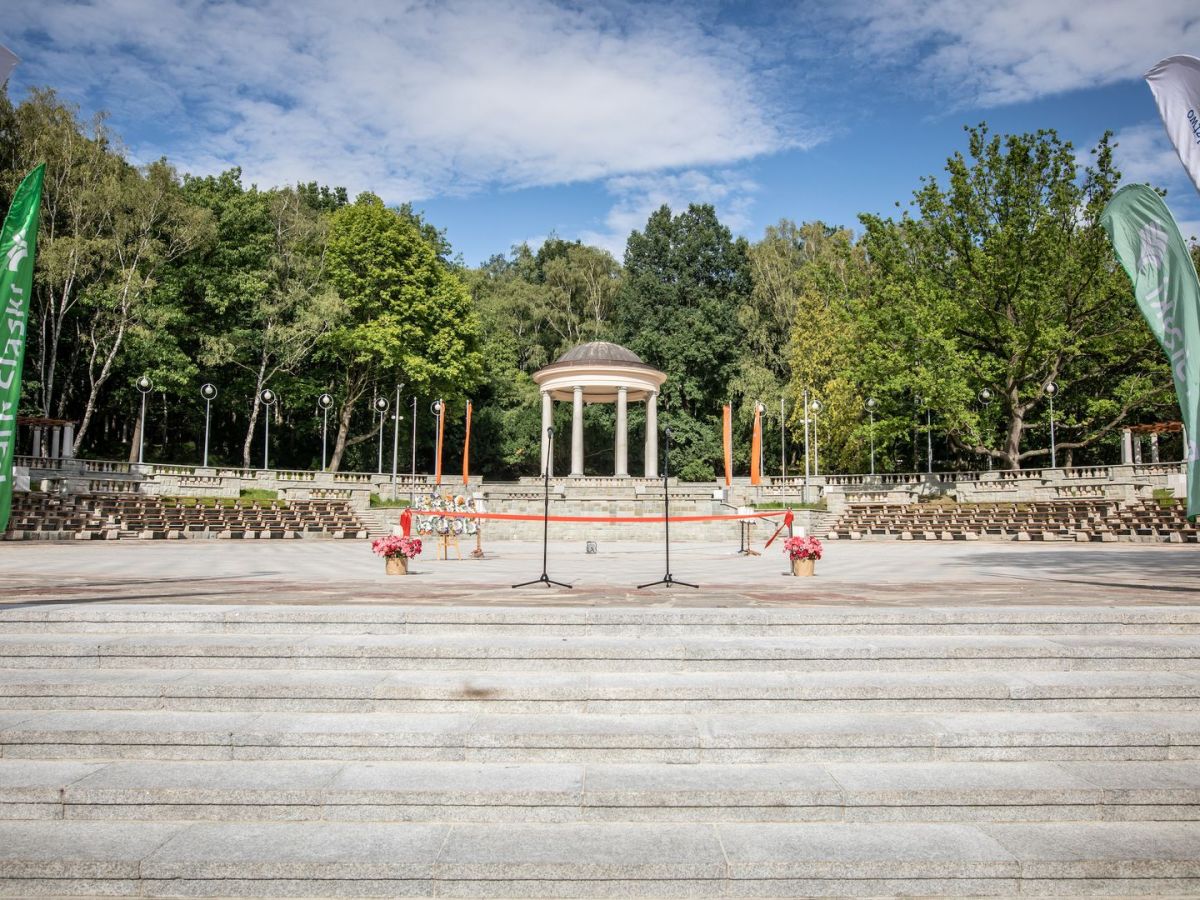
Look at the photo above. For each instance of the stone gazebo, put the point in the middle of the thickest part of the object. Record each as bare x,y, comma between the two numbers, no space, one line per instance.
600,372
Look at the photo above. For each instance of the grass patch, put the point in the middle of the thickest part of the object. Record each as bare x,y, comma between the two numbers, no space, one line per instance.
819,506
378,502
258,494
1164,497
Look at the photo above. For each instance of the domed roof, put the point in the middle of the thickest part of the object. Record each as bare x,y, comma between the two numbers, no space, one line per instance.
599,351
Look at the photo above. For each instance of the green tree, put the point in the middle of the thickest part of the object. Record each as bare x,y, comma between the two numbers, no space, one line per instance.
407,316
1004,280
263,284
685,279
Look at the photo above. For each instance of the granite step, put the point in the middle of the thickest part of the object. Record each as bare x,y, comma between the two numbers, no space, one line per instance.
608,621
909,652
596,859
458,792
572,737
704,693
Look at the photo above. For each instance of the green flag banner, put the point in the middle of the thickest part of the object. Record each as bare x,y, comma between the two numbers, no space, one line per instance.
18,242
1152,253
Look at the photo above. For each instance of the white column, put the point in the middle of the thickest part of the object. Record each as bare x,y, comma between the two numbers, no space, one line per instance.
55,441
652,434
68,442
1137,450
1153,447
37,441
621,468
547,421
577,434
1126,446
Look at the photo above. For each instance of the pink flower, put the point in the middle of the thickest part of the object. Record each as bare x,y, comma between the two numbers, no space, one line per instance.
394,546
802,548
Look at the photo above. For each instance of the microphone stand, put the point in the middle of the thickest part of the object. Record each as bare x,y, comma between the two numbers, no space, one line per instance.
544,578
668,579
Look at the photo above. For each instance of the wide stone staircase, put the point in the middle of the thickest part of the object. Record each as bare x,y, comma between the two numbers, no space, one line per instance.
273,750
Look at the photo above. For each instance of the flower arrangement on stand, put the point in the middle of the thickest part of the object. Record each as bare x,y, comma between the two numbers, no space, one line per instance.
396,551
803,552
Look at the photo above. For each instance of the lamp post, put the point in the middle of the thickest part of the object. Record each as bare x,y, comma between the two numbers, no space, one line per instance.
396,439
209,393
144,386
324,401
871,412
985,399
816,408
268,398
924,401
1051,389
381,407
783,448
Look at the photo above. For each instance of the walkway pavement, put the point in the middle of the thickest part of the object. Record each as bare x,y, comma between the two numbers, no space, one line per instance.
851,573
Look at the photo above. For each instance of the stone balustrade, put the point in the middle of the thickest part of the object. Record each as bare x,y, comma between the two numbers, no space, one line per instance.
1122,483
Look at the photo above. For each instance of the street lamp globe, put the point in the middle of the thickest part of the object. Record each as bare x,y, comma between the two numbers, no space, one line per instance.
325,401
208,391
816,406
985,396
267,396
381,404
871,403
144,384
1050,388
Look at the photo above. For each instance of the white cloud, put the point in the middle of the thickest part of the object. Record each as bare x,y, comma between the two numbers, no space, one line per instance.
994,53
637,196
410,99
1144,154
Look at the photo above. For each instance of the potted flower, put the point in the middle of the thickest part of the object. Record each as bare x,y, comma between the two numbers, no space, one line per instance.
396,551
803,552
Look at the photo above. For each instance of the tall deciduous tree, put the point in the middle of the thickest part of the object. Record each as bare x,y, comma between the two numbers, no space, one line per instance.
1003,279
685,278
263,283
407,316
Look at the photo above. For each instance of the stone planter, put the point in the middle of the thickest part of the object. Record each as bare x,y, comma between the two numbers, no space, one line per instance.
803,566
397,565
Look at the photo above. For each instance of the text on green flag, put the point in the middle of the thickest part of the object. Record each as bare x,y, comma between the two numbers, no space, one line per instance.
1152,252
18,244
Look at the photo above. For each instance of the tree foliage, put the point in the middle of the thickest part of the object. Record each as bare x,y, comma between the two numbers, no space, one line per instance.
996,277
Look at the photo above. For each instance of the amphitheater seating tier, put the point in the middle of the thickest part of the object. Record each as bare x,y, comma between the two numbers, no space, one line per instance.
1065,520
122,516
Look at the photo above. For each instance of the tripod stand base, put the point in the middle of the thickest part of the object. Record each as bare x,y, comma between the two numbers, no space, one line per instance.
667,581
544,579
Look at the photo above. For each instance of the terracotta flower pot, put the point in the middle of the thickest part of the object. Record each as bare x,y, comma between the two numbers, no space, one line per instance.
397,565
803,566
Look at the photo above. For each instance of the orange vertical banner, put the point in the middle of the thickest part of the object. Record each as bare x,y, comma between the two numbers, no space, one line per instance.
437,479
756,447
467,448
727,440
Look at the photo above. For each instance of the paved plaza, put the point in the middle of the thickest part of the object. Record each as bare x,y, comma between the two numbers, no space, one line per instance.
853,572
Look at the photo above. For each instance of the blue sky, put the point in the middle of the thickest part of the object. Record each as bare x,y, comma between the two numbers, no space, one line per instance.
507,120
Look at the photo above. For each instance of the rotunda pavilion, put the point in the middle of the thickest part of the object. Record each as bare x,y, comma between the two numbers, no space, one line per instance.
601,372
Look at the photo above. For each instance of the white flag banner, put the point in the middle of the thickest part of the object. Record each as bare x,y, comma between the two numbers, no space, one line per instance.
8,62
1175,83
